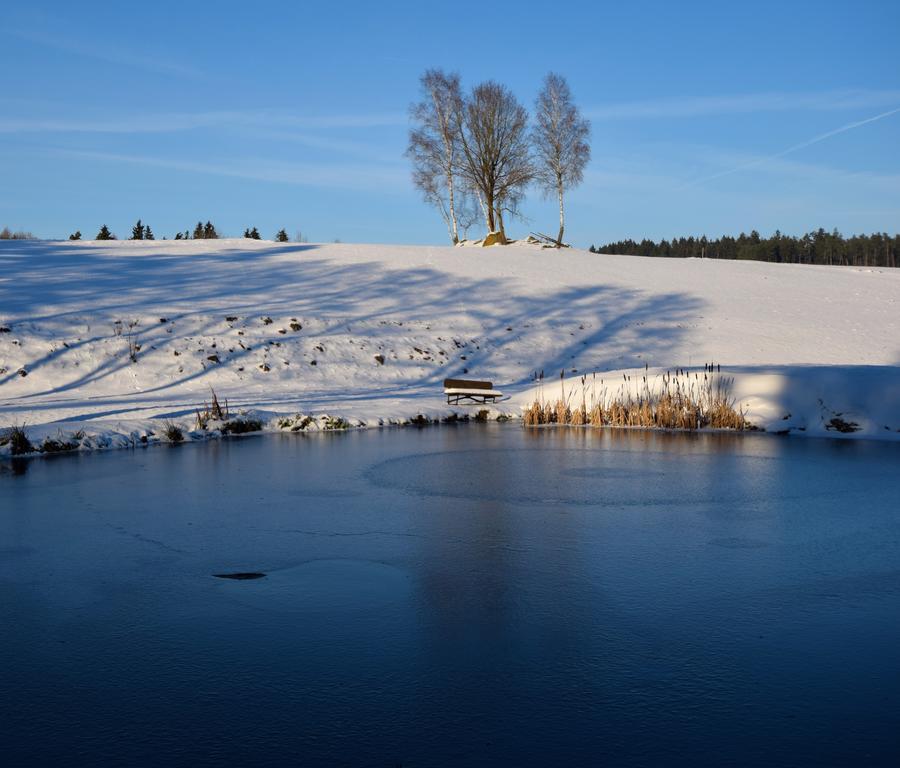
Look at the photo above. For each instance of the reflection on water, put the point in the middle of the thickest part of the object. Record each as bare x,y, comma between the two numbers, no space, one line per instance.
457,595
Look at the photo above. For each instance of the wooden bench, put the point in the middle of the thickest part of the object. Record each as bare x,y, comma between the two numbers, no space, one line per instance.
467,389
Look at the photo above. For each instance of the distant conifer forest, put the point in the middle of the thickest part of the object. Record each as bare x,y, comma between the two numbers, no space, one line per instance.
819,247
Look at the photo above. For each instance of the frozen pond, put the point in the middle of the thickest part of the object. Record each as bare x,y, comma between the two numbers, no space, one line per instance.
454,596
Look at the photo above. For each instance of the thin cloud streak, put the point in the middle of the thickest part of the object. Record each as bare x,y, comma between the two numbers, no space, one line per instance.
103,52
706,106
350,148
348,177
173,122
796,147
658,177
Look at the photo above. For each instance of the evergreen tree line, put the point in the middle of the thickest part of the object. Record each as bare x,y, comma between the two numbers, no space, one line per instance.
819,247
201,232
208,231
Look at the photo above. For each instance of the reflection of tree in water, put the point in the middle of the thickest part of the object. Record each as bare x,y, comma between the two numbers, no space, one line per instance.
490,564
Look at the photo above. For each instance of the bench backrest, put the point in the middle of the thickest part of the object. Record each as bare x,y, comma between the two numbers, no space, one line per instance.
467,384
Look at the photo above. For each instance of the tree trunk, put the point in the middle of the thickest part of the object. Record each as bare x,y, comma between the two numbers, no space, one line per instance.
489,214
454,232
562,216
483,209
500,226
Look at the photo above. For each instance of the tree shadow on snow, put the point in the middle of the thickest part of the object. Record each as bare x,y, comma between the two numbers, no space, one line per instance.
584,327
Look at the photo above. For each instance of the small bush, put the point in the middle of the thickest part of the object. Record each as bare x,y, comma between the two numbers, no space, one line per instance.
212,412
482,415
57,446
335,423
241,426
173,433
837,424
298,423
17,440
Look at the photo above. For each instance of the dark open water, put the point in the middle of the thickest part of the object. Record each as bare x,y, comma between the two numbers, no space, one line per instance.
454,596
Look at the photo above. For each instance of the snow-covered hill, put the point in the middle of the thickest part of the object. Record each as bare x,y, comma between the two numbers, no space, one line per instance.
369,332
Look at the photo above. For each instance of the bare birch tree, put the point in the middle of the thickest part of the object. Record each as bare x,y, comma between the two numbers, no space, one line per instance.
560,139
496,159
434,146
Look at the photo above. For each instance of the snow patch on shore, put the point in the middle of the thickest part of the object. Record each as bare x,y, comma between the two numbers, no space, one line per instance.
368,333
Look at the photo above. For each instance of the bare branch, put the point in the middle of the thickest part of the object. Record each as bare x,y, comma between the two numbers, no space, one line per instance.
434,145
560,138
496,160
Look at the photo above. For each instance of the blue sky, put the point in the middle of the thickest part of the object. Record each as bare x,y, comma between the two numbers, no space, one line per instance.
708,117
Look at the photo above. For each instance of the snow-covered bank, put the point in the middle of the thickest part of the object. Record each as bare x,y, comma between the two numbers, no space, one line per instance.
821,401
368,333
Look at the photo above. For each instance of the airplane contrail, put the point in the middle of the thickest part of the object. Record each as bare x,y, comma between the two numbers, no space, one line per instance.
794,148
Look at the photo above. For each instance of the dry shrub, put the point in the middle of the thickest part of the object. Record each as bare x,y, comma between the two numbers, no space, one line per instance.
212,412
241,425
60,445
19,443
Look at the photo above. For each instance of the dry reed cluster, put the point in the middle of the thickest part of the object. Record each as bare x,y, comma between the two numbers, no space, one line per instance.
679,400
213,412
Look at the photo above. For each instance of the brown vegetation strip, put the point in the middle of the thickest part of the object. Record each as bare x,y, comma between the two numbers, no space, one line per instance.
679,400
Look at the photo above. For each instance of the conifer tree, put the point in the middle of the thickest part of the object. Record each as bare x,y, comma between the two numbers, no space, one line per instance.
137,231
247,232
254,233
178,235
209,231
148,233
198,231
105,234
282,236
76,235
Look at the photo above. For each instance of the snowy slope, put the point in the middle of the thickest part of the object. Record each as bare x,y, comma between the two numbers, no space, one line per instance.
202,310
